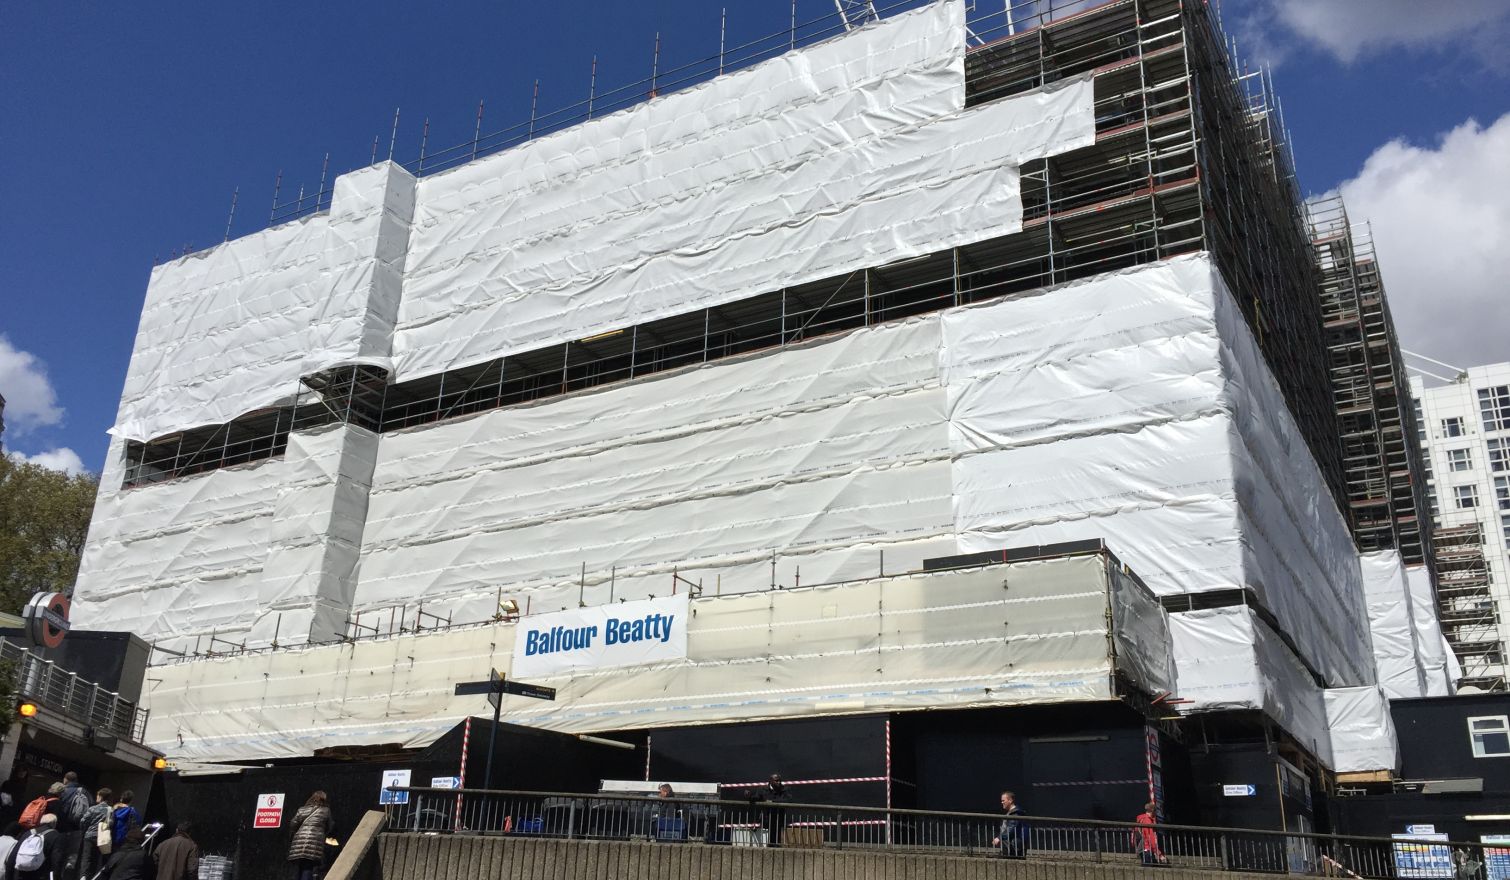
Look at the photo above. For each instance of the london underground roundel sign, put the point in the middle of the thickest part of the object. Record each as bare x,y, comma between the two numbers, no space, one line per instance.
46,618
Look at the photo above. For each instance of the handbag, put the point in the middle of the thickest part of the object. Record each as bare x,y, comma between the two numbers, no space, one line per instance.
102,835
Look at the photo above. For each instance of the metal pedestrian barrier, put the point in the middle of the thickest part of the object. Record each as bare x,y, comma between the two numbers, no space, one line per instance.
757,823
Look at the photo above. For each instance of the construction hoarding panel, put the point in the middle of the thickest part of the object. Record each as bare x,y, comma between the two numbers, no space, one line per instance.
1033,632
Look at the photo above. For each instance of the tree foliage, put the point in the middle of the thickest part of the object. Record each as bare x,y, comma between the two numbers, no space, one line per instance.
44,518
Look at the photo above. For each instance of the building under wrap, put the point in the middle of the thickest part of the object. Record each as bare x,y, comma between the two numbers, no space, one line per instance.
791,331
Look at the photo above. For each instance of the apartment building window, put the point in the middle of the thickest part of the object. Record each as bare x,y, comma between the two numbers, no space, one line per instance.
1468,496
1490,735
1494,406
1502,492
1459,460
1452,427
1499,453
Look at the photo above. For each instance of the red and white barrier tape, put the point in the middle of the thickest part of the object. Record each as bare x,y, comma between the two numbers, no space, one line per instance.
466,738
804,782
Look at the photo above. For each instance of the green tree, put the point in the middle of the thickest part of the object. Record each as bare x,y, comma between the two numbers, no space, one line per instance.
44,518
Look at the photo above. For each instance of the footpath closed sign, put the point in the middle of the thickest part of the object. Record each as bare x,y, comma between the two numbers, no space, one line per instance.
602,637
269,811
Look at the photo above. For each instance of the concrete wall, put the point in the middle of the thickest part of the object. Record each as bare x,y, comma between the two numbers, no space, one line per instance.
425,857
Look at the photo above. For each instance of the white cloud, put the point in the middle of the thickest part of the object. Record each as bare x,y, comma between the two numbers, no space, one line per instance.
1349,29
30,401
60,459
1441,220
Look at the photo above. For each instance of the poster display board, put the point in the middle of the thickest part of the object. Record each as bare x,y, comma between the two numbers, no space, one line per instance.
394,779
1418,856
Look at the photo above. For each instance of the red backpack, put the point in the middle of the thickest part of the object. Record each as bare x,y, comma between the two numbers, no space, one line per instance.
31,817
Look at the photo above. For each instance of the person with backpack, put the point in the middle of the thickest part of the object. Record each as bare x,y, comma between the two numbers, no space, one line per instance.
122,819
8,839
38,856
40,806
130,861
95,829
73,803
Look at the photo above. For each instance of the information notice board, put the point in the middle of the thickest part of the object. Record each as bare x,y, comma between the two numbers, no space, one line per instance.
1496,855
1419,856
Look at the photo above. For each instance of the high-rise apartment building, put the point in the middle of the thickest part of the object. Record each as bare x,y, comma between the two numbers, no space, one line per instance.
1464,425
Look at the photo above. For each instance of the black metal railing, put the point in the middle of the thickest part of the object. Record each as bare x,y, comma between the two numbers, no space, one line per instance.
761,823
49,685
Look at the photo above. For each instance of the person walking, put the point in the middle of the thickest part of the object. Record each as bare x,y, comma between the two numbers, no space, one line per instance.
12,791
39,855
1146,838
73,803
130,861
41,806
1012,837
8,839
96,819
311,825
123,818
178,858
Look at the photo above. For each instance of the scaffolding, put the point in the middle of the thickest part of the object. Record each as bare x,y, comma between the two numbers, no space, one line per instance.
1189,156
1380,454
1466,608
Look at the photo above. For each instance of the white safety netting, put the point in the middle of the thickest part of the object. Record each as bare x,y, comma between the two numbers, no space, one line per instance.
230,330
1136,407
1392,623
262,552
848,154
1227,658
1027,632
1363,733
1439,665
821,458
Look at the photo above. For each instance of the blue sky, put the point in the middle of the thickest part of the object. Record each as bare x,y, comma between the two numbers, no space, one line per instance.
124,129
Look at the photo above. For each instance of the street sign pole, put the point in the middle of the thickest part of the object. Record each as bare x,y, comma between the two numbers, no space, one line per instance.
496,698
495,687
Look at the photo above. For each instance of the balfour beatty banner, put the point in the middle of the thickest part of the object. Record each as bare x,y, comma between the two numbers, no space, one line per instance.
625,634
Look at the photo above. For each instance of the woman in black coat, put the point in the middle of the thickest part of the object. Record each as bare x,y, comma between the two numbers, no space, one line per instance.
312,824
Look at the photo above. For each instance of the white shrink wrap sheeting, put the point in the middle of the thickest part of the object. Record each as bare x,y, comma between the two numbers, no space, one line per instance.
1439,666
827,455
847,154
231,329
1031,632
1392,624
1363,734
1136,407
1144,649
256,553
173,560
1228,658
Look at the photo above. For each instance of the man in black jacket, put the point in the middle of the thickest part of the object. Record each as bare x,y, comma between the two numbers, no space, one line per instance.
1012,837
